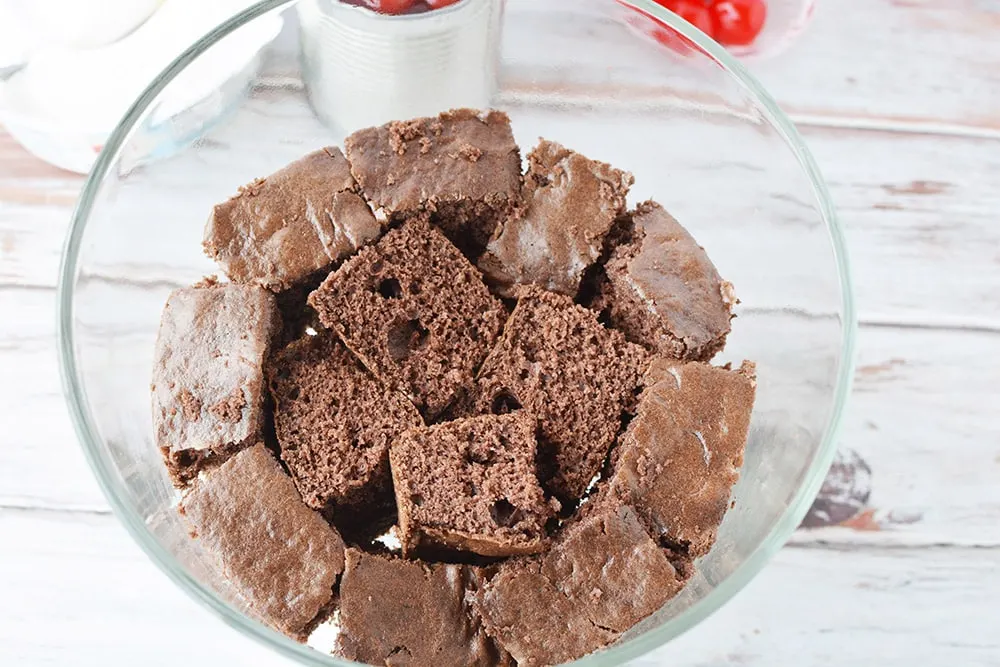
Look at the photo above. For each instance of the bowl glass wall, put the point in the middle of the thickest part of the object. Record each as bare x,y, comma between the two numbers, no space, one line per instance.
698,133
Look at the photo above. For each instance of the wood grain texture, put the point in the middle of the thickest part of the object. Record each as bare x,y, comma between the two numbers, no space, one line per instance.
887,607
916,65
924,242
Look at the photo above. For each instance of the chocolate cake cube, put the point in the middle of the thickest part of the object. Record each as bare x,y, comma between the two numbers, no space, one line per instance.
527,615
681,455
334,422
463,167
278,231
398,612
571,205
280,556
208,378
663,291
603,575
608,565
471,485
415,312
557,362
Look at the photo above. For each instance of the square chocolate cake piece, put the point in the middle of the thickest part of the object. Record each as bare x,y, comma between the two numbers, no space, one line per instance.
462,166
525,614
278,231
557,362
280,556
208,378
334,422
571,205
681,455
399,612
415,312
603,575
608,565
471,485
663,291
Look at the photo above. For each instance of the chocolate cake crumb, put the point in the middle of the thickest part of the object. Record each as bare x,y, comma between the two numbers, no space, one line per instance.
278,231
471,485
334,423
190,406
556,361
397,612
281,557
470,153
207,281
682,453
415,312
208,380
401,132
230,408
663,292
468,199
571,205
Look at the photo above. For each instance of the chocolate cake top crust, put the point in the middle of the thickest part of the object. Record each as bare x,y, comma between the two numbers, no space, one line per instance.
663,291
608,565
398,612
681,455
278,231
281,557
524,612
463,166
208,381
571,204
603,574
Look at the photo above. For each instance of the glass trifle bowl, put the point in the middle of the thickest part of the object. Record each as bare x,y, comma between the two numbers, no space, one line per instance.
697,131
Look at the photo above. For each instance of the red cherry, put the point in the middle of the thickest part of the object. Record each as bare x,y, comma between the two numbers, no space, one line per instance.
390,6
737,22
692,11
438,4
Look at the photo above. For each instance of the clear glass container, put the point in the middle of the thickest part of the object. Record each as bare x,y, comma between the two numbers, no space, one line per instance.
700,135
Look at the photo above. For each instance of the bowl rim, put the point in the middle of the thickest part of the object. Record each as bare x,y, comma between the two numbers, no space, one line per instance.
103,470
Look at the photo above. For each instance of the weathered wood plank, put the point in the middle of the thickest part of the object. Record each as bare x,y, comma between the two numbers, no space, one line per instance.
920,65
909,217
896,608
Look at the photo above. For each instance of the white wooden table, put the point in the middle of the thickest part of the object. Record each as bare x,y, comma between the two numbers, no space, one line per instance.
900,101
